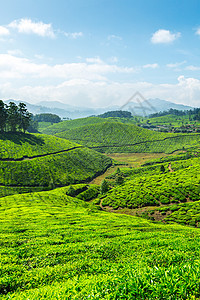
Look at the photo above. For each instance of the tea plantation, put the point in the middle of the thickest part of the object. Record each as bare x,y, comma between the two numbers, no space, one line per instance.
62,237
41,162
112,137
54,246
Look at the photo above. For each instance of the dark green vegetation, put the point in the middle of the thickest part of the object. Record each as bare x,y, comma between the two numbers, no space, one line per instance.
54,246
47,117
14,118
116,114
40,162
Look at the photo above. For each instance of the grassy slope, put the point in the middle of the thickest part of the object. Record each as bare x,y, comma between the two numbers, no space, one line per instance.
49,171
57,247
18,145
71,124
111,135
148,186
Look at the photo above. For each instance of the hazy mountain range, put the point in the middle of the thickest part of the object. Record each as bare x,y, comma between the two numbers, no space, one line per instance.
68,111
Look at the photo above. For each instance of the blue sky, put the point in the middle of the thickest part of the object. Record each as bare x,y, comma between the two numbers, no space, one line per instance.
100,52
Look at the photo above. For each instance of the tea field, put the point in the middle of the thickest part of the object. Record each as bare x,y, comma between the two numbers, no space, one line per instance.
54,246
116,137
41,162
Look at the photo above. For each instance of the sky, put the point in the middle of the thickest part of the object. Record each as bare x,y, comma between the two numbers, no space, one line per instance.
98,53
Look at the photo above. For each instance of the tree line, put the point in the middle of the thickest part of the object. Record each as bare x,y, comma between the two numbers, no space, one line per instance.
14,117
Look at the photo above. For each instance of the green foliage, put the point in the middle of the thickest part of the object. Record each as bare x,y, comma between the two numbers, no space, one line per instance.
104,187
116,114
32,161
147,186
162,169
47,117
14,117
57,247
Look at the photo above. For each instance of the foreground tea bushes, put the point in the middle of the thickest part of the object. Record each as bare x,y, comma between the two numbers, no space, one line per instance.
54,246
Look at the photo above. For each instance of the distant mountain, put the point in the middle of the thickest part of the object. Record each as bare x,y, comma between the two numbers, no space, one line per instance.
161,105
61,109
150,106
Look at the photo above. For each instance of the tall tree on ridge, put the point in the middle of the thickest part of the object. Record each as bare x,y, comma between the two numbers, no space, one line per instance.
24,117
3,116
13,116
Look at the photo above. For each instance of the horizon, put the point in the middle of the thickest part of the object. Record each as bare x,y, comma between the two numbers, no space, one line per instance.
99,53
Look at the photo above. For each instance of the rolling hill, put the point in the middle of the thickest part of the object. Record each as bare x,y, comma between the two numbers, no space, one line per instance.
111,137
54,246
37,162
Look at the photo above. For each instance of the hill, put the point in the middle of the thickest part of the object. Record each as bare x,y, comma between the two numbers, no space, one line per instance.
112,137
54,246
71,124
36,162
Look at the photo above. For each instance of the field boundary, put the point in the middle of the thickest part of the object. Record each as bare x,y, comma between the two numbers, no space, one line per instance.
40,155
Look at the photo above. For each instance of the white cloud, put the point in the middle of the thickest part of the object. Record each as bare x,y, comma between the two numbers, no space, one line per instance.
4,31
88,83
94,69
30,27
16,52
113,59
163,36
192,68
114,37
73,35
176,65
95,60
151,66
198,31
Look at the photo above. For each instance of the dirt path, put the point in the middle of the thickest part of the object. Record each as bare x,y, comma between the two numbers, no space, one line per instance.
170,168
41,155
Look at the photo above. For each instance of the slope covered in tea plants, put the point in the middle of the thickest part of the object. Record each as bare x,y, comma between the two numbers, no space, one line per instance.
38,162
113,137
54,246
164,186
71,124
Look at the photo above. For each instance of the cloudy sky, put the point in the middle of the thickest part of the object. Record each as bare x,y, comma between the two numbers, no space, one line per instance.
100,52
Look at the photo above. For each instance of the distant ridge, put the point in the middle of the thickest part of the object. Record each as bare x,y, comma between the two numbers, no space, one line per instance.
162,105
147,107
73,112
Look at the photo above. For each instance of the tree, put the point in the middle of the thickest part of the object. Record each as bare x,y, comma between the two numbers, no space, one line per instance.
24,117
33,125
119,179
3,116
162,169
104,188
13,116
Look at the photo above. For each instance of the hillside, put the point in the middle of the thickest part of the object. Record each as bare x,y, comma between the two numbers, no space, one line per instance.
54,246
37,162
71,124
160,190
110,137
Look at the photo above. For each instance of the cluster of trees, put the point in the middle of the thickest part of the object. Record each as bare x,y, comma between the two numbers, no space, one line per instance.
192,113
47,117
14,117
116,114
